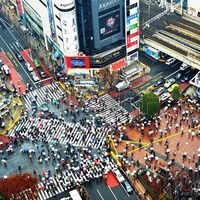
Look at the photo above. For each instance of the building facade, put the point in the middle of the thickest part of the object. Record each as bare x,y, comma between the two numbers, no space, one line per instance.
105,31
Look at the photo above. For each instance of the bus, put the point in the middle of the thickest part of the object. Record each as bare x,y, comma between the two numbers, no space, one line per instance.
154,53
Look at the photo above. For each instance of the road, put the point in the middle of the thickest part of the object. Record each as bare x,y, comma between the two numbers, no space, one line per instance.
100,191
11,43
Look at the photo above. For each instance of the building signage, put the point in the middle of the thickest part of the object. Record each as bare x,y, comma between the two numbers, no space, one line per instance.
129,18
107,4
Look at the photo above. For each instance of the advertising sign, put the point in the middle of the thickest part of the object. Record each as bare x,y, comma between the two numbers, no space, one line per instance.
20,7
132,38
77,62
109,25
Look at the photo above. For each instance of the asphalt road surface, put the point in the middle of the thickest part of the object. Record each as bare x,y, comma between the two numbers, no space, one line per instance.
11,43
100,191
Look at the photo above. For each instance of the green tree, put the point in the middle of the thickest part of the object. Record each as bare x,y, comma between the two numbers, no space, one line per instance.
176,95
150,104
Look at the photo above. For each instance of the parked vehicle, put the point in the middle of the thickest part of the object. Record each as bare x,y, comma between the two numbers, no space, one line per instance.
159,82
35,77
123,85
178,76
148,90
170,61
172,87
118,175
159,91
127,187
184,66
41,73
5,69
164,96
29,67
169,82
36,62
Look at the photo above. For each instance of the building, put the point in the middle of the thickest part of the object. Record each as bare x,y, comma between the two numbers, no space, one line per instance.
85,33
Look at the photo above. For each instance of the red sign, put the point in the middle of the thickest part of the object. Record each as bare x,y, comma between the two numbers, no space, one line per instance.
119,64
131,41
20,7
77,62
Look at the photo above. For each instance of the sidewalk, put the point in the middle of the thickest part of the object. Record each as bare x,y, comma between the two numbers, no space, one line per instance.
181,140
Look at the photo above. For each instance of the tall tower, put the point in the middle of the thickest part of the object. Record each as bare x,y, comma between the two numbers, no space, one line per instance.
66,26
132,30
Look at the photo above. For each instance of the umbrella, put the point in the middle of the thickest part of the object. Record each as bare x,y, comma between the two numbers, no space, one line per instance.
5,177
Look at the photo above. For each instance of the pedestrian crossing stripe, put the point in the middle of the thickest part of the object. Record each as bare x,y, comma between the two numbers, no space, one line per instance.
48,92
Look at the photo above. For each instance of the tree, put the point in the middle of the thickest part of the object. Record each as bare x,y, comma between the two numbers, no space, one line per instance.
149,104
19,185
108,76
176,95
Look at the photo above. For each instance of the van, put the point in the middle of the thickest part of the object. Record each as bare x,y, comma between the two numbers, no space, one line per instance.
123,85
5,69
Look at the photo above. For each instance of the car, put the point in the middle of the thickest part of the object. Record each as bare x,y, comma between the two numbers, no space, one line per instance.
34,76
169,82
133,99
118,175
172,87
41,73
164,96
28,66
36,62
44,107
183,66
19,56
170,61
184,79
127,187
148,90
159,82
178,76
159,91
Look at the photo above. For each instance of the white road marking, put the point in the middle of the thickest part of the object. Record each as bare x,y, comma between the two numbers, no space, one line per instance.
112,193
100,194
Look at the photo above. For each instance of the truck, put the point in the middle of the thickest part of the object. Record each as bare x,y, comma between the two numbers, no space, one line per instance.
5,69
123,85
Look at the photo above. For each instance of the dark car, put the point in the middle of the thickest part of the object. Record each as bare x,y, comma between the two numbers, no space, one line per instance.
184,79
19,56
133,99
159,82
178,76
42,73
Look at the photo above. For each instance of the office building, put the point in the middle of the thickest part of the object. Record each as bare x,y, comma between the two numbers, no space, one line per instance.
96,33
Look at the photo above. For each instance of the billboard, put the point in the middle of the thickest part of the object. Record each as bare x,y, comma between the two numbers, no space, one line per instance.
77,62
109,25
132,39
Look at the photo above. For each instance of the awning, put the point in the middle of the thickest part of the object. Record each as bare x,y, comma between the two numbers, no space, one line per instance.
78,71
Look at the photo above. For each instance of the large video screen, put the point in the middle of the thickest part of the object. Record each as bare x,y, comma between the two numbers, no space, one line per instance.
109,25
77,62
80,63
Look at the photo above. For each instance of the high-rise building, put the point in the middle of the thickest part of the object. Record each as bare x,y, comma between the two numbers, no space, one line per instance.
105,31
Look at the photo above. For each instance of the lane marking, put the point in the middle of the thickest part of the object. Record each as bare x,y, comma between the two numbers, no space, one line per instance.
100,194
112,193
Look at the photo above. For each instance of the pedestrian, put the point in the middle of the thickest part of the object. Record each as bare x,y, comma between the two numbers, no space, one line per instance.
34,172
177,144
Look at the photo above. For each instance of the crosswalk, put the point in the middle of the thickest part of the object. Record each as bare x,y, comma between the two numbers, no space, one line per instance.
48,92
64,132
109,109
91,168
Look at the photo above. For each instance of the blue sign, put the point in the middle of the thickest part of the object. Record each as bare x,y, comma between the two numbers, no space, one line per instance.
129,18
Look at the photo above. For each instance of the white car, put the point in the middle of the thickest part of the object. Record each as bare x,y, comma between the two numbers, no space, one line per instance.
159,91
118,175
29,67
169,82
170,61
164,96
184,66
34,76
